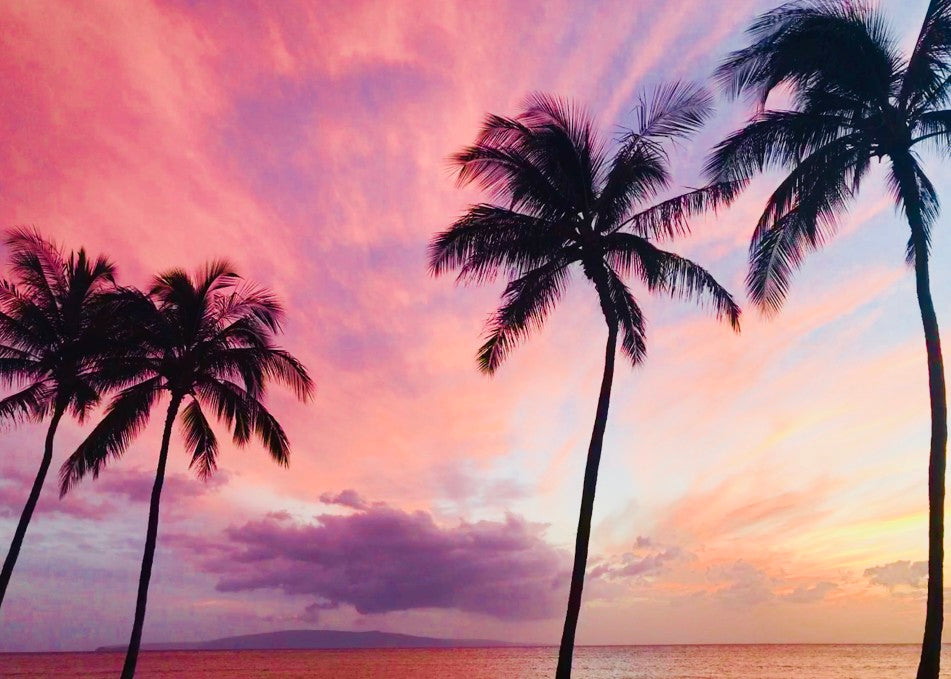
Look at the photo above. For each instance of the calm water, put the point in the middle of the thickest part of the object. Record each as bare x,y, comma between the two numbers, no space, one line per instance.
615,662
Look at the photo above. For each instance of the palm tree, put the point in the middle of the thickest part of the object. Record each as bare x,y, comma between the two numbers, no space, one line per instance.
854,98
561,200
54,335
207,342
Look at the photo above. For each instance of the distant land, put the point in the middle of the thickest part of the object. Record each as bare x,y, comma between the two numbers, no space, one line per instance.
310,639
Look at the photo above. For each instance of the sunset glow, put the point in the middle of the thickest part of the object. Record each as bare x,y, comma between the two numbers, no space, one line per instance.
768,486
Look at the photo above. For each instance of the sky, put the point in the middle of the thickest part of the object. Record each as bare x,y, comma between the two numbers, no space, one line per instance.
761,487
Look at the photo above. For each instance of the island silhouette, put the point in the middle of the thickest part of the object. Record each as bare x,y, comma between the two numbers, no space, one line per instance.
310,639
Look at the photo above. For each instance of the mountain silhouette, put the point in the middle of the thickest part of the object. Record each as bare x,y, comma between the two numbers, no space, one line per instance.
305,639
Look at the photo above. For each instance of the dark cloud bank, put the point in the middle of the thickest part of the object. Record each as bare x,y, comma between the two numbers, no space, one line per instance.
380,559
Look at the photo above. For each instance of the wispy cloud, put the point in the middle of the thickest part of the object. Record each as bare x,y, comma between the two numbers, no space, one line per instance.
308,143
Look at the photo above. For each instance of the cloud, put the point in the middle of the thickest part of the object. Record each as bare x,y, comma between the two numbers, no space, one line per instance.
383,559
746,585
15,487
899,574
150,133
345,498
312,612
97,499
805,594
645,560
741,583
135,485
13,499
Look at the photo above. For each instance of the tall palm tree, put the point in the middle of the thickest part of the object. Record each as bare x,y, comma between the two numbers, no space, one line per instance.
561,200
54,337
853,98
207,342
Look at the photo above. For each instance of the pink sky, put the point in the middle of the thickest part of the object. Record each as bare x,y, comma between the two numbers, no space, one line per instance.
765,487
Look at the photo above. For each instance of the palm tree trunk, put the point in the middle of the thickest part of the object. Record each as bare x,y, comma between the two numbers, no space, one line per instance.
31,501
587,507
929,664
904,172
132,655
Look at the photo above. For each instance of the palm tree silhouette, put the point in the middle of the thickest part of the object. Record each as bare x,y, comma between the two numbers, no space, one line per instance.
55,335
854,99
206,341
560,201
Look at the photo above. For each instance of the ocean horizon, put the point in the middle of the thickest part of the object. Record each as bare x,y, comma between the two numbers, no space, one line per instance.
498,319
662,661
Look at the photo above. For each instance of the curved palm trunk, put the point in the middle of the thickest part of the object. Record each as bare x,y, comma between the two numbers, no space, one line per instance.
929,664
132,655
587,507
930,661
31,501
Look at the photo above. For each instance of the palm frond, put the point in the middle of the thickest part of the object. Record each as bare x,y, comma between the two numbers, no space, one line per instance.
39,265
490,239
255,365
917,197
245,415
282,367
779,245
830,175
126,416
55,324
775,139
510,175
800,216
815,46
935,127
24,322
200,440
216,275
249,300
86,281
638,172
629,317
671,218
271,434
687,280
631,255
231,405
773,257
83,397
239,364
563,142
673,110
526,303
32,404
670,273
926,77
18,365
245,331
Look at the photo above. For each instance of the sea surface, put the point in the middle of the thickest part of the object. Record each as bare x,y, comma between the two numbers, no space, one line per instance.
592,662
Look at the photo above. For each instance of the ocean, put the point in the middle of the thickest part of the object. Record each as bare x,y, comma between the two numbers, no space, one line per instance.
592,662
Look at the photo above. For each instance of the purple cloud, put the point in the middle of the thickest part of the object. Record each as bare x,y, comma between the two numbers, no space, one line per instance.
312,612
15,486
645,560
135,485
383,559
96,499
345,498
